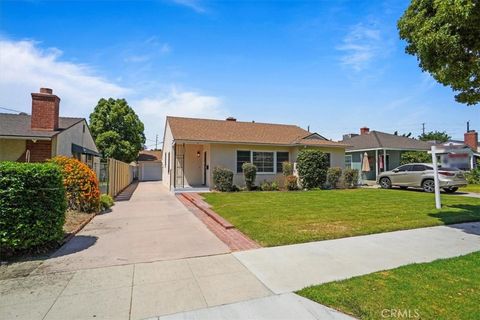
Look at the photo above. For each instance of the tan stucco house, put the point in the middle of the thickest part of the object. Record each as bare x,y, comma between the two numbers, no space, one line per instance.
193,147
44,134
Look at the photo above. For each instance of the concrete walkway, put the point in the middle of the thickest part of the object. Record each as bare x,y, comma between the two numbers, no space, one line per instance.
153,225
285,306
134,291
290,268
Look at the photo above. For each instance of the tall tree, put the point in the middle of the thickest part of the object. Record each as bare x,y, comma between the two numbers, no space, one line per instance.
117,130
444,35
438,136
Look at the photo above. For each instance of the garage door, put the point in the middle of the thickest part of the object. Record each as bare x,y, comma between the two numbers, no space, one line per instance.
150,171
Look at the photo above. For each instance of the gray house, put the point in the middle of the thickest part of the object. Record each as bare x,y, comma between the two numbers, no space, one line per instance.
383,150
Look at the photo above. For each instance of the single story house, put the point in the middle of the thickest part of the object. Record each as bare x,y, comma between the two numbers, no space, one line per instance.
192,148
464,155
44,134
383,150
149,165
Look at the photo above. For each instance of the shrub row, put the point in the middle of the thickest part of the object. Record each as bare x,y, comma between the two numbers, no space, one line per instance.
32,205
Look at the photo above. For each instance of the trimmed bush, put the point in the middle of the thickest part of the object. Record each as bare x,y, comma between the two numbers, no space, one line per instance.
312,168
415,156
106,202
287,168
81,184
32,205
350,177
223,179
333,176
250,173
291,183
473,177
269,186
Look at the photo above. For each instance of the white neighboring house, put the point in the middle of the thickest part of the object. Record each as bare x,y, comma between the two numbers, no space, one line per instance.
464,155
149,165
44,134
192,148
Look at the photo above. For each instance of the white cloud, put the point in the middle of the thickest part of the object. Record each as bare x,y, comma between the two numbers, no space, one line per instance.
362,45
173,102
192,4
25,68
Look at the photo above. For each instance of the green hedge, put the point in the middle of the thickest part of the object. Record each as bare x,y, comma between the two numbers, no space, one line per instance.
223,179
32,205
312,166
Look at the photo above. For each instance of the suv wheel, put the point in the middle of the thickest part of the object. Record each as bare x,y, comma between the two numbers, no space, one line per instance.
450,189
385,183
428,185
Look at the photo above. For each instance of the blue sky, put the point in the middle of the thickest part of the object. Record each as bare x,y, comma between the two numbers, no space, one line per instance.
332,65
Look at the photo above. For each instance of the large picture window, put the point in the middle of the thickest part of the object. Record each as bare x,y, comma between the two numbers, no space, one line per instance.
264,161
281,158
242,157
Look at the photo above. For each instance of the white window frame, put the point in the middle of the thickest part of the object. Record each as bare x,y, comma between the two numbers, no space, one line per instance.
274,172
274,167
351,160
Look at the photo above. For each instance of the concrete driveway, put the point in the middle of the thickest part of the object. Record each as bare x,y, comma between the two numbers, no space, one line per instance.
153,225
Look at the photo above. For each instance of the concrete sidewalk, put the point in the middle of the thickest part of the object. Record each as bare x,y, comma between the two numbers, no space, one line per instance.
153,225
134,291
286,306
290,268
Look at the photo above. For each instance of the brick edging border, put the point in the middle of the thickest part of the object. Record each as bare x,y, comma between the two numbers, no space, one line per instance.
220,227
205,207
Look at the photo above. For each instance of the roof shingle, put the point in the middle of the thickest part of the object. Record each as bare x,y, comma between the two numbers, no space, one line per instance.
208,130
381,140
19,125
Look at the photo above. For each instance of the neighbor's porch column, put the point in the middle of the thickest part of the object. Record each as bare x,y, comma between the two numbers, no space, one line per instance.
385,160
376,163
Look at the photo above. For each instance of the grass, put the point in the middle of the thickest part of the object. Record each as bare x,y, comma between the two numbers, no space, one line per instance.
280,218
443,289
471,188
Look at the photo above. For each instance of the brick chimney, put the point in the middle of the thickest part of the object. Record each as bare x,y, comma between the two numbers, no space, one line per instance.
364,130
45,110
470,138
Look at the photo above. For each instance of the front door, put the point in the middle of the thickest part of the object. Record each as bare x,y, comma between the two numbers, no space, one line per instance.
205,168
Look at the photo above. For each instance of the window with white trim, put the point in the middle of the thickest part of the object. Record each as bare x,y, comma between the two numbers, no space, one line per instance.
348,161
242,157
264,161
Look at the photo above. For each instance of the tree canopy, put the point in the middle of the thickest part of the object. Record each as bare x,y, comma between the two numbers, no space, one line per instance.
444,35
117,130
438,136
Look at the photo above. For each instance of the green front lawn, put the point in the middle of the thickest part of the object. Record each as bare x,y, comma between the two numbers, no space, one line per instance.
471,188
279,218
443,289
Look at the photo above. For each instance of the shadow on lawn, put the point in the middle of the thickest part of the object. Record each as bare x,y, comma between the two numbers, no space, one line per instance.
460,220
76,244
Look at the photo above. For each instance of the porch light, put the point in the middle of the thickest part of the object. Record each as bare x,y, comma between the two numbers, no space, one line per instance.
198,154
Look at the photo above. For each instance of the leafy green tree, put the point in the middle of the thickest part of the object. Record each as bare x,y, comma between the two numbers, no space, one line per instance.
117,130
438,136
444,35
415,157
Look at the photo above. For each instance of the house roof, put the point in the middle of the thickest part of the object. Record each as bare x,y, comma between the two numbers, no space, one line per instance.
223,131
382,140
18,125
150,155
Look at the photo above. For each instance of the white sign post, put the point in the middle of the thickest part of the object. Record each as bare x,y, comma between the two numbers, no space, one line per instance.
438,204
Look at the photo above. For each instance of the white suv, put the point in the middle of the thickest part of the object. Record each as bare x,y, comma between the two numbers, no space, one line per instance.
420,175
